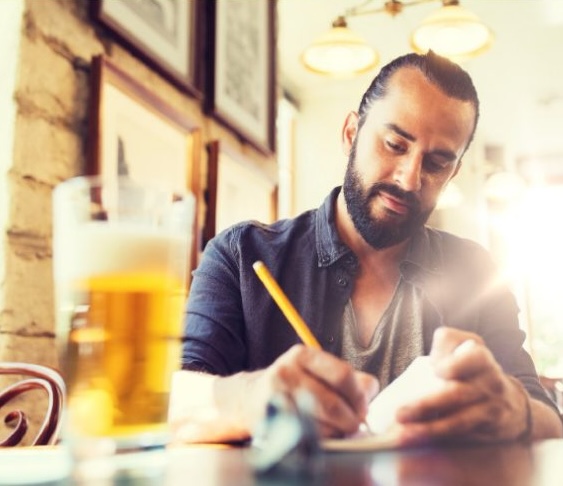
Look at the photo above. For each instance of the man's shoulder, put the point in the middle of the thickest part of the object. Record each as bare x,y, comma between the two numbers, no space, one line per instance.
255,234
466,268
450,242
460,256
300,223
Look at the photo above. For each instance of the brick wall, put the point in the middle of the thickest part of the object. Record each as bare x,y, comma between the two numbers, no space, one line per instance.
58,40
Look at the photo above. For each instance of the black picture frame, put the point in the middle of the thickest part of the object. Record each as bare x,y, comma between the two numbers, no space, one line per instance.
237,189
165,34
134,133
241,69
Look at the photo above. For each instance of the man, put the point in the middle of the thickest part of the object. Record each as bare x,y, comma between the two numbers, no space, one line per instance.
376,287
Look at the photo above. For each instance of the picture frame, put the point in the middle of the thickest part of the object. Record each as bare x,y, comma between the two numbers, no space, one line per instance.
166,34
237,190
131,129
241,76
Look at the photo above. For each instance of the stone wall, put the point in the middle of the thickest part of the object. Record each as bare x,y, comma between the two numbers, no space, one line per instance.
52,95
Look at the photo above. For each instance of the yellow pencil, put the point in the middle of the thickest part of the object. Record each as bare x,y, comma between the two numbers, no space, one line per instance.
285,305
289,311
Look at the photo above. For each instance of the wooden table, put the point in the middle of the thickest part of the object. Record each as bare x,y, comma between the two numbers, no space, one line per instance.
512,465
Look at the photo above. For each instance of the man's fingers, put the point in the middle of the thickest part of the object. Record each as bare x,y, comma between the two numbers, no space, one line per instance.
341,394
355,388
330,408
368,383
473,423
454,425
469,360
447,339
336,375
455,395
477,402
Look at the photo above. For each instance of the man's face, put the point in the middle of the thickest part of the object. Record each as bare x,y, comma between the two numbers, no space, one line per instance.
401,159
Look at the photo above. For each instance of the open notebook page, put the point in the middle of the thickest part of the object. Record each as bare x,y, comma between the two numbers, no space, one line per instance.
418,380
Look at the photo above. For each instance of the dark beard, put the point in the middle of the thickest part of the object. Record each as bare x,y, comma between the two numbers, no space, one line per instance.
377,232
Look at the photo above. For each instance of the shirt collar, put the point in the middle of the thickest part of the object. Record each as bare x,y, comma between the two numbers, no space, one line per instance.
329,245
423,257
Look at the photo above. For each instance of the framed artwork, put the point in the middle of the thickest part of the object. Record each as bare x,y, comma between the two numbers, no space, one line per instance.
241,77
134,133
164,33
237,190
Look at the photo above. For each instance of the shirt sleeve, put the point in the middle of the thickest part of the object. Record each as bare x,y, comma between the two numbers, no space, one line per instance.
213,337
491,308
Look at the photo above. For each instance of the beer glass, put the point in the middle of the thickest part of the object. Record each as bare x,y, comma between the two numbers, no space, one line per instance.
120,256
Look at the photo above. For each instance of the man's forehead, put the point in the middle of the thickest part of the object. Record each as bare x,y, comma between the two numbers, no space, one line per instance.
414,104
408,84
407,77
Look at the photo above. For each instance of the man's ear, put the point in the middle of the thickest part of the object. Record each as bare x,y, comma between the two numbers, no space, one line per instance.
349,132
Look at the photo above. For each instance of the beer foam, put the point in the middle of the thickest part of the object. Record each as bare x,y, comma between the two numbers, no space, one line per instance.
99,248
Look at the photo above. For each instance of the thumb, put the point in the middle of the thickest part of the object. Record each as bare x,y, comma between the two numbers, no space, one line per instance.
369,384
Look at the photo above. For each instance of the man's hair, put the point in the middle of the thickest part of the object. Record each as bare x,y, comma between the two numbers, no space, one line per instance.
448,76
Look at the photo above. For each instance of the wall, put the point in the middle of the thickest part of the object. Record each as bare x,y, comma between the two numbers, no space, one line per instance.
50,98
320,163
10,22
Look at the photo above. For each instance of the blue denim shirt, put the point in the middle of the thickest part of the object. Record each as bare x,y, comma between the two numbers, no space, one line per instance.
232,324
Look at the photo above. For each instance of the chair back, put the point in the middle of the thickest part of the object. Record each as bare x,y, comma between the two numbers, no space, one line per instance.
33,377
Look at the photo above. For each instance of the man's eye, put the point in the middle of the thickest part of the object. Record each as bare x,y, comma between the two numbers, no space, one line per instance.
395,147
432,165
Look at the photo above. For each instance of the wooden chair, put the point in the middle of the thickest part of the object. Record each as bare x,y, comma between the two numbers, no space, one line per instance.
33,377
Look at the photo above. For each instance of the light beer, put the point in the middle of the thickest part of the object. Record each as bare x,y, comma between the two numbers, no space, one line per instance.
121,296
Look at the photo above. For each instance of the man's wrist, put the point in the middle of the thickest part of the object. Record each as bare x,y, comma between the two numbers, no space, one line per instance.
526,434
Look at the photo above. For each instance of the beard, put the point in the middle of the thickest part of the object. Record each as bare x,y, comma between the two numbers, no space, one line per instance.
380,232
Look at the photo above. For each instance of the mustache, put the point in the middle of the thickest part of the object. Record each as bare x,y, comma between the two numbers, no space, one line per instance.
407,197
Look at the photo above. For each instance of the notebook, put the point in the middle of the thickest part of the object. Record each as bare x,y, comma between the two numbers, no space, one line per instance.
417,381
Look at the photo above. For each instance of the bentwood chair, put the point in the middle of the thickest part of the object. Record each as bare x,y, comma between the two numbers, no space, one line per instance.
32,376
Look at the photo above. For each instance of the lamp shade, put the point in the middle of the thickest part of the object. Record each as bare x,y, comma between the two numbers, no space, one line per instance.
340,52
452,31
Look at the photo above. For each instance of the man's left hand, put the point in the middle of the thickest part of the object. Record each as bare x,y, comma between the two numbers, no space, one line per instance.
478,403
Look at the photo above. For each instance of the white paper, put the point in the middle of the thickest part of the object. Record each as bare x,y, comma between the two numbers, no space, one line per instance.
417,381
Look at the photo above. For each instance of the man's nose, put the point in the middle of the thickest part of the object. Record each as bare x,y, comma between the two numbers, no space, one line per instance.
408,173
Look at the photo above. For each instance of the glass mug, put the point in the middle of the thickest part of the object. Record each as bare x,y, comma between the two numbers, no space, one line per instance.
120,258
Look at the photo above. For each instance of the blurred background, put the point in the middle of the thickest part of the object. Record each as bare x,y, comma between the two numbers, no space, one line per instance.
57,122
507,196
509,192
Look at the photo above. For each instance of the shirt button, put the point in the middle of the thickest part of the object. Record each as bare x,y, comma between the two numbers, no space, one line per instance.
331,339
342,282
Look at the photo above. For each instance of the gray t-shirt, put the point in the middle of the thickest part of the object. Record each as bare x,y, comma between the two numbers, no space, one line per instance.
396,341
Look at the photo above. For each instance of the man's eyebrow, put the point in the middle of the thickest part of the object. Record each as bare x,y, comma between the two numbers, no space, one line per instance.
400,131
446,154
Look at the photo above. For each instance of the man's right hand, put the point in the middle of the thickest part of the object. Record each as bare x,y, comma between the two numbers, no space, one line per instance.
341,394
210,408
